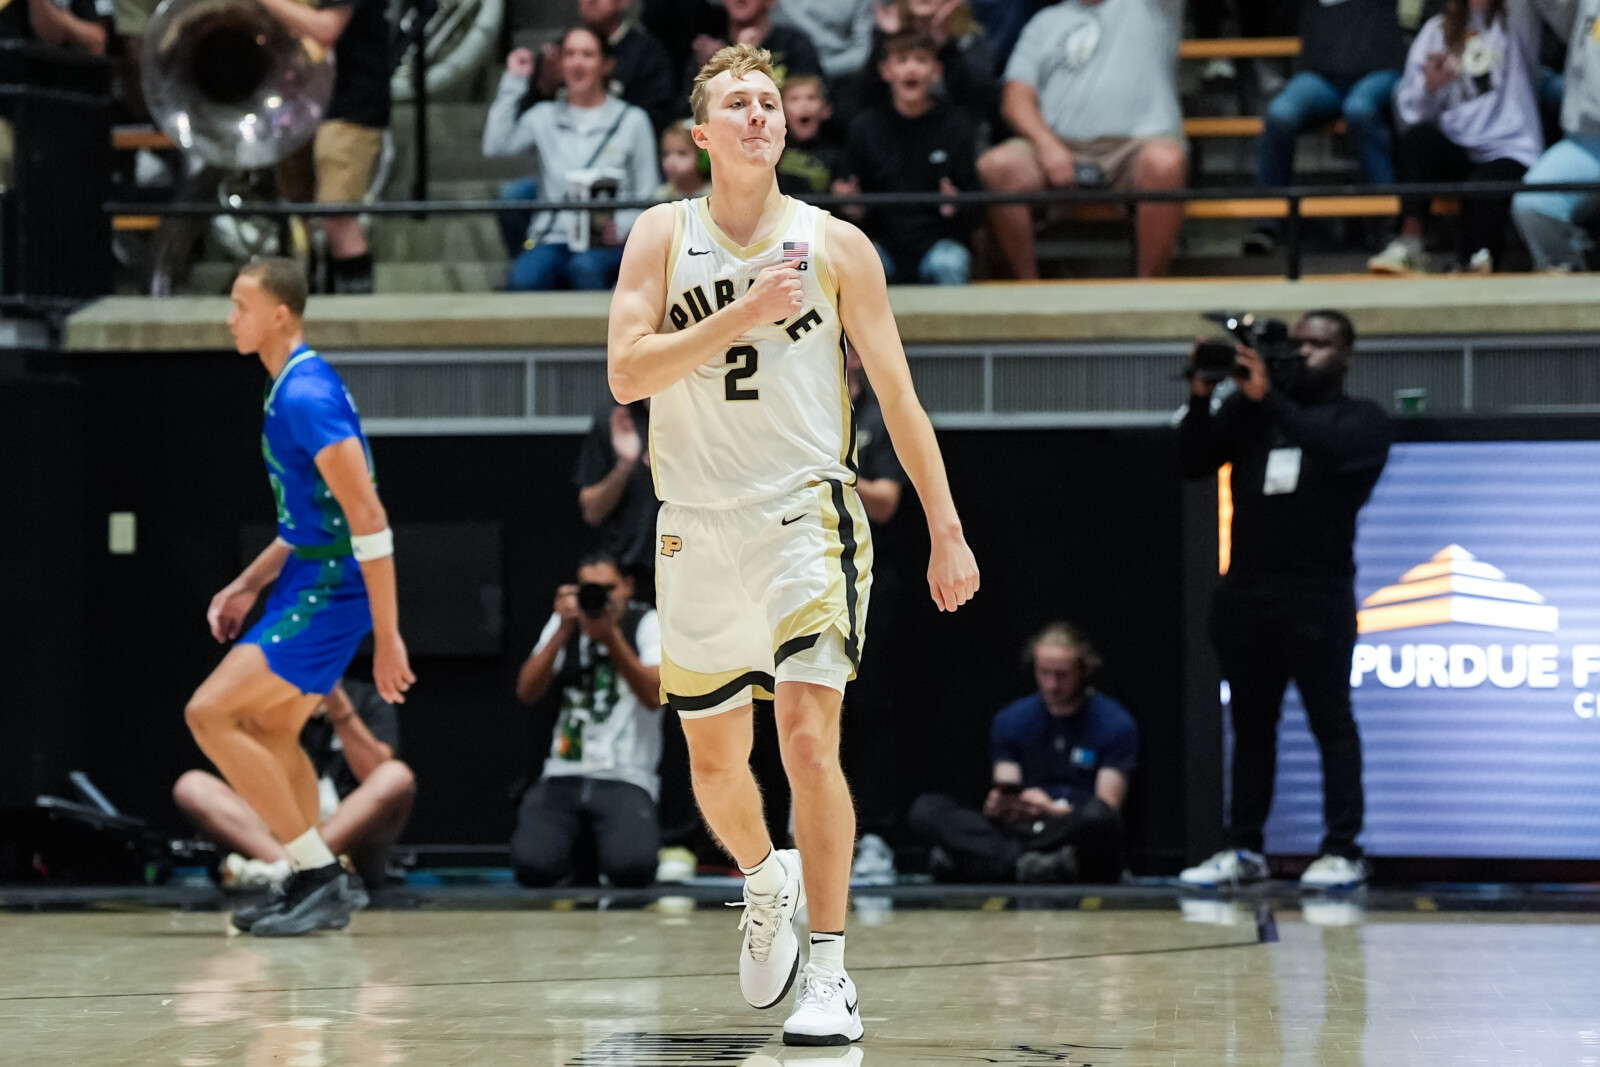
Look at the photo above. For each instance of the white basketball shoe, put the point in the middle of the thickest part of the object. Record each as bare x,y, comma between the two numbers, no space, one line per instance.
769,959
826,1012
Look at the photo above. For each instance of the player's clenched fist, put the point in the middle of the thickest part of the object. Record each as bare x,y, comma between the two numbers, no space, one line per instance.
776,294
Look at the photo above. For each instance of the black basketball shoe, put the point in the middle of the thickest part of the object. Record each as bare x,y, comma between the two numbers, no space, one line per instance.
318,899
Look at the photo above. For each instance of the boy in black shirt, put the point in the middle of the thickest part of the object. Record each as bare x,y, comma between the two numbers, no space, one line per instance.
915,144
812,157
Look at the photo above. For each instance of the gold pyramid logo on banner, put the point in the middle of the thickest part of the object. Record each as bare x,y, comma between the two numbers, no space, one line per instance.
1456,586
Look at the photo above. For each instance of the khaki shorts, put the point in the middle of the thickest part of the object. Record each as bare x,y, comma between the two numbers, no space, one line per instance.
335,167
132,16
1114,155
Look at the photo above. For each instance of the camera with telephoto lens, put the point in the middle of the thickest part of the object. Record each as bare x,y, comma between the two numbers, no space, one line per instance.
1216,359
594,599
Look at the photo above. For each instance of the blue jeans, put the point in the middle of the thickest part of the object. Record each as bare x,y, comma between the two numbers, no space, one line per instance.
1550,223
946,263
514,224
1311,100
555,266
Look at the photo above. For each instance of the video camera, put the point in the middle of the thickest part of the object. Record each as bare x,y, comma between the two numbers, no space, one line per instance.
1216,359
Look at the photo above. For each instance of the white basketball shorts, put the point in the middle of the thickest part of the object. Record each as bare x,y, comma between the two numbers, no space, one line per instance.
768,591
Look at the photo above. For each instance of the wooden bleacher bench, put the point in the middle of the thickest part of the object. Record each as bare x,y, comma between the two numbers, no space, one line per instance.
133,138
1240,48
1268,207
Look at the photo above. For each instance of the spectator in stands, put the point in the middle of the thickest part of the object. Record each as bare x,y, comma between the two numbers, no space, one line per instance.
1350,56
966,58
616,492
1559,227
77,25
365,792
591,146
1002,21
841,30
681,165
641,73
1092,90
915,144
750,22
1061,763
600,785
1470,111
336,167
812,156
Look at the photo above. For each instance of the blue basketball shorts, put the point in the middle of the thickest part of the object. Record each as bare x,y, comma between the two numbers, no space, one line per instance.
314,622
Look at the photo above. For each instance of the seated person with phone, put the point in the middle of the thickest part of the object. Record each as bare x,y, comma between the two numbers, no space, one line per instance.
1062,757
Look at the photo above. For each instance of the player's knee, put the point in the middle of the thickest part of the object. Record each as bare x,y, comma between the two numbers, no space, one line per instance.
192,790
203,715
807,754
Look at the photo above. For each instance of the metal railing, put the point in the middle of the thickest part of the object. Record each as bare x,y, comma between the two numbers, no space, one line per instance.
1295,197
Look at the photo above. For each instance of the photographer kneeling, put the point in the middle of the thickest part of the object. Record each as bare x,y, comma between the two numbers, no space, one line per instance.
600,781
1305,458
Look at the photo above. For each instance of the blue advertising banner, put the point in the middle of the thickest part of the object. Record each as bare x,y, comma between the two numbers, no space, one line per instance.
1476,677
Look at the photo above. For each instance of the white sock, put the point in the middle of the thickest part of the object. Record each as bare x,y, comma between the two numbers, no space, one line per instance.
766,878
308,851
827,951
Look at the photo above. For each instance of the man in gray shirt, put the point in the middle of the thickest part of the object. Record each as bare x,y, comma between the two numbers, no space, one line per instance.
1556,226
1092,89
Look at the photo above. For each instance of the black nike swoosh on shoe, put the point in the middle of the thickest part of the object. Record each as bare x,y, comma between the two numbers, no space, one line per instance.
850,1007
797,518
699,251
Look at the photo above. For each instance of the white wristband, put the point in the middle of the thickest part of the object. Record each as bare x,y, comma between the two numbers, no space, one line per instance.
373,546
281,541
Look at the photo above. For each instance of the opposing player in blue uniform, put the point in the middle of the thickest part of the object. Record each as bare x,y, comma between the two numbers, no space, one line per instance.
332,571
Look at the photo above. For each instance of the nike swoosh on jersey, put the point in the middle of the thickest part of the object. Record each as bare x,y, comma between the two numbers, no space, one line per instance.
797,518
699,251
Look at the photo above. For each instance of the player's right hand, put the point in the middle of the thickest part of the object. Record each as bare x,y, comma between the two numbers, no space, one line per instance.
776,294
227,612
391,668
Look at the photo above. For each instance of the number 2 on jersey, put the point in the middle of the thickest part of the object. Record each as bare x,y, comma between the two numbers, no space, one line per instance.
742,361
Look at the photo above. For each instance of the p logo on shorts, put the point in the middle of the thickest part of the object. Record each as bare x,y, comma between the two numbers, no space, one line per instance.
670,545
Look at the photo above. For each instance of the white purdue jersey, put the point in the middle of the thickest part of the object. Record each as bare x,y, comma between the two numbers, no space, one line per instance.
770,413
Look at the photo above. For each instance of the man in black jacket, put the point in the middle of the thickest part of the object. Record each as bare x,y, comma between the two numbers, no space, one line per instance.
1304,457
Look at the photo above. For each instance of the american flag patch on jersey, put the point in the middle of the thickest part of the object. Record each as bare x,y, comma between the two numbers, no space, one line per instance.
795,251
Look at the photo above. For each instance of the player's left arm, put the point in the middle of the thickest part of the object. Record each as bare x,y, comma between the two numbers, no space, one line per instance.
343,466
869,323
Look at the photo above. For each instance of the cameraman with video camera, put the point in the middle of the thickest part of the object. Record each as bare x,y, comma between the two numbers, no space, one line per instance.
600,781
1304,457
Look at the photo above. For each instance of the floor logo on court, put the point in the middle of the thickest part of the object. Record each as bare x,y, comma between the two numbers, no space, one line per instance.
640,1049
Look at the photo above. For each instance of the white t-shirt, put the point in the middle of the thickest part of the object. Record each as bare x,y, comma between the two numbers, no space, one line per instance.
602,730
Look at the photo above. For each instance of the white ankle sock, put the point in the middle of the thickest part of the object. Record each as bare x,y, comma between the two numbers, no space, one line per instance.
766,878
827,951
308,851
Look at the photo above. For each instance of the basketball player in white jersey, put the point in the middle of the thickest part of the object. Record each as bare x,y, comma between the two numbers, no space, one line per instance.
730,313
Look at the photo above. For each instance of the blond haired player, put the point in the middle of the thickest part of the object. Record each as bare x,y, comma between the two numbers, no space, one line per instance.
730,313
